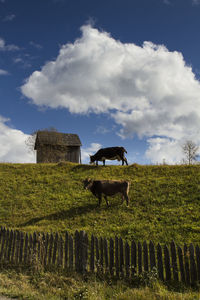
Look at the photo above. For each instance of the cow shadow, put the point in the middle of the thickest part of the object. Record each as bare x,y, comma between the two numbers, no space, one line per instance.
61,215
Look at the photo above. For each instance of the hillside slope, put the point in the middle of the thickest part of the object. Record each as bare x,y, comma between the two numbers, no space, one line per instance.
164,201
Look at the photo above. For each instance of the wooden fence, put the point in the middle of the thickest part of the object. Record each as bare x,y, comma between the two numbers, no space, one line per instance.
114,256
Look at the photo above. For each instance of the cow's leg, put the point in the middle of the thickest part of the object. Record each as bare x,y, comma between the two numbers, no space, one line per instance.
106,200
122,199
127,199
99,197
96,162
104,162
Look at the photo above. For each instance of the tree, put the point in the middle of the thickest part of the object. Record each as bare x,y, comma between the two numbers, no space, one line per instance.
30,141
190,150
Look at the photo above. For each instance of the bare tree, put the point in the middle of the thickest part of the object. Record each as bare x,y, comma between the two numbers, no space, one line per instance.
30,141
190,150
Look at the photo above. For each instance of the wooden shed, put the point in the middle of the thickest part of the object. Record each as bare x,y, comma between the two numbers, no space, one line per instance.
52,146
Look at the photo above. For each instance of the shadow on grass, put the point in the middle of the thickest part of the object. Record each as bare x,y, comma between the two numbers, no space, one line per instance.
62,215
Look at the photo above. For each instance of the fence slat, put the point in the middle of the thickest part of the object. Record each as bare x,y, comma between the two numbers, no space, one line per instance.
105,252
111,254
193,268
55,247
101,254
133,258
2,244
152,255
186,260
51,241
77,245
174,261
139,258
160,262
66,249
21,247
121,257
181,264
10,245
127,259
167,263
71,251
197,251
117,256
145,257
97,253
92,254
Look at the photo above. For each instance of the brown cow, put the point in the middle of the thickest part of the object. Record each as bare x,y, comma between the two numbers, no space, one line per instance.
107,188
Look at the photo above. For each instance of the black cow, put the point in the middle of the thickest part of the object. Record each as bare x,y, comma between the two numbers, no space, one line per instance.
107,188
109,153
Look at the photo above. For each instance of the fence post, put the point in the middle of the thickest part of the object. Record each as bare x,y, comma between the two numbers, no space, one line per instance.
6,244
106,252
77,245
187,269
101,254
133,258
127,259
197,250
71,253
92,255
111,256
10,245
117,256
51,240
174,261
85,252
97,253
193,269
145,257
152,255
121,257
17,247
139,258
66,248
55,246
21,247
160,262
167,263
2,243
180,257
26,249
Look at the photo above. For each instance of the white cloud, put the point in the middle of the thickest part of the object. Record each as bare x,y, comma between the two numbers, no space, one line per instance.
7,47
12,145
9,18
3,72
148,90
196,2
85,152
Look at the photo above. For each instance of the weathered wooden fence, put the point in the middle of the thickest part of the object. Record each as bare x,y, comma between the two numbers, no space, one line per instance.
114,256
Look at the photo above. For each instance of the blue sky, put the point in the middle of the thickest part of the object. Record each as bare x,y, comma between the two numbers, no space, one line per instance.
117,73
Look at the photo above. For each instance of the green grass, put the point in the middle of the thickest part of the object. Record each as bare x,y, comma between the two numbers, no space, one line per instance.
164,201
59,285
164,206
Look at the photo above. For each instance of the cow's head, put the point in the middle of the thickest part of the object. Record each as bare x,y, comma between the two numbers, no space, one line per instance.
87,183
92,159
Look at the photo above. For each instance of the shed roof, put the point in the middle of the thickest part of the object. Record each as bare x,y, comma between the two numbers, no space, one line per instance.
56,138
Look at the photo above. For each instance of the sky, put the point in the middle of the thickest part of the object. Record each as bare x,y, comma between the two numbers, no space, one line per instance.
115,72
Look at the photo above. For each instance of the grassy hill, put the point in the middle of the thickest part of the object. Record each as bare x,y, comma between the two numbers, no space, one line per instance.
164,201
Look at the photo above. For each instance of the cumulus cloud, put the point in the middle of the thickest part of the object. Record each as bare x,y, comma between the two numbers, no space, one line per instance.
9,18
148,90
85,152
3,72
7,47
12,144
